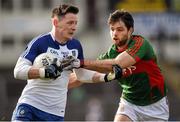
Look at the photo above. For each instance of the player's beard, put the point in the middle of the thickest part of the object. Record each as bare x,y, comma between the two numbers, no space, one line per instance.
122,42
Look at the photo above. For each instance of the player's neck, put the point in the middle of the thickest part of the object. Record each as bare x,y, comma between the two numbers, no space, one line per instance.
121,48
58,37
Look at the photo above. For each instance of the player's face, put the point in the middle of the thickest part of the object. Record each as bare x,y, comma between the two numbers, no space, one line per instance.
67,26
119,33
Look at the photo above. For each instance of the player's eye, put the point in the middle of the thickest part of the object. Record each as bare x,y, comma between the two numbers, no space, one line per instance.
112,29
120,29
72,23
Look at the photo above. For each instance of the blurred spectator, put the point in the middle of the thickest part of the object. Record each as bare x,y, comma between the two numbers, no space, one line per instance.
94,110
92,14
161,38
168,5
3,98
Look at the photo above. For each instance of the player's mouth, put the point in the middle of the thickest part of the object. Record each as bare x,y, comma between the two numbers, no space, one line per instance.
71,33
115,39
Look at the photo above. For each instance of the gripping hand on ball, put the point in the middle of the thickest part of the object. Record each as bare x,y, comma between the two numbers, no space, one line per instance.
70,62
51,71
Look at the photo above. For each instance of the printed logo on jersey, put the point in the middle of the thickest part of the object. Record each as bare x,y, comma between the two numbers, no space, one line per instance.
74,53
53,51
63,52
21,112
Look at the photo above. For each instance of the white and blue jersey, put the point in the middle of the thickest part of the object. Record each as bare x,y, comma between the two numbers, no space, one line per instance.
49,95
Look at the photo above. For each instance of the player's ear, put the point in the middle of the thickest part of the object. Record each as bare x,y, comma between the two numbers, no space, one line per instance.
131,30
55,21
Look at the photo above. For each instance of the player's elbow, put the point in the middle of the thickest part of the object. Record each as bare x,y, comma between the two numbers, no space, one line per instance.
22,68
15,73
18,74
21,73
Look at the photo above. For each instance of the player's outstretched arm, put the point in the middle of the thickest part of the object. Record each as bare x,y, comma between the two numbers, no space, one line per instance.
124,60
70,62
89,76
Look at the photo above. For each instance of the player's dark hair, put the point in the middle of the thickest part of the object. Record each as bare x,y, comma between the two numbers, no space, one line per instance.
63,9
122,15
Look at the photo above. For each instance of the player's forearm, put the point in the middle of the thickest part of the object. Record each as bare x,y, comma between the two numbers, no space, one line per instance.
33,73
88,76
124,60
24,70
103,66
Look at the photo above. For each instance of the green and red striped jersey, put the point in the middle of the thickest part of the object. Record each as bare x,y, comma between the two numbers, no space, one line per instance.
146,84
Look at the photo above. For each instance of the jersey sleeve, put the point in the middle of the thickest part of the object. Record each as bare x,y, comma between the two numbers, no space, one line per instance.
138,48
110,54
103,56
31,51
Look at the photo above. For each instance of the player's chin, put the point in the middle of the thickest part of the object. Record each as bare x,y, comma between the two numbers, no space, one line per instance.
70,36
116,42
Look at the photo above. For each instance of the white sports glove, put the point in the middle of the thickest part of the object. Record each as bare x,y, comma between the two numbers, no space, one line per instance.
70,62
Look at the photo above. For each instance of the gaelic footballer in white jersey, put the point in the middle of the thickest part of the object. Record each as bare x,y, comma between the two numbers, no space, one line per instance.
48,95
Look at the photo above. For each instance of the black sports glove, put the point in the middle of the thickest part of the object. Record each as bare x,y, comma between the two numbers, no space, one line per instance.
117,73
52,70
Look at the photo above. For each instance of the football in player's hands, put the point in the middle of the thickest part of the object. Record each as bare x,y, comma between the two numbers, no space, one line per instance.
49,66
44,59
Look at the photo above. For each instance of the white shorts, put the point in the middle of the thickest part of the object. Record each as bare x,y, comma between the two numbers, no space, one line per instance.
158,111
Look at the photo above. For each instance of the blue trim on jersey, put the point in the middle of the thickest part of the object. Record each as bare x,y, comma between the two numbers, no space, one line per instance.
29,45
25,112
45,43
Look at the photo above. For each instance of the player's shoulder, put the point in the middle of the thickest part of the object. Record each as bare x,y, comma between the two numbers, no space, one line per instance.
139,39
42,37
39,38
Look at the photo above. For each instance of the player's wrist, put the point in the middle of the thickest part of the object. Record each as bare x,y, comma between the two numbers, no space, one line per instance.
104,78
41,72
101,78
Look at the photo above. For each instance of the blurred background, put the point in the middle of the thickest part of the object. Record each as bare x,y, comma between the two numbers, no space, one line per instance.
157,20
